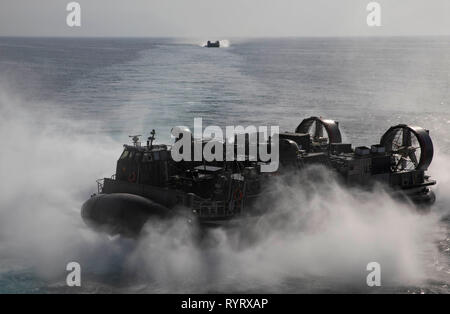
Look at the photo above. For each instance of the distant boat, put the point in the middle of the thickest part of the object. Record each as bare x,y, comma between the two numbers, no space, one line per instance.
210,44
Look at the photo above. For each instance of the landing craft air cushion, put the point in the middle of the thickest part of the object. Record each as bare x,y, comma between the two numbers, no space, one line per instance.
211,44
149,184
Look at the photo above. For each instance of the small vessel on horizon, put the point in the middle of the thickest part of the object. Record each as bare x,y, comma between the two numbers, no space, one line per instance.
211,44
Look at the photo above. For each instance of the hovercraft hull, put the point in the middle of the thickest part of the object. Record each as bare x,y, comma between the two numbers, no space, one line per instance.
121,213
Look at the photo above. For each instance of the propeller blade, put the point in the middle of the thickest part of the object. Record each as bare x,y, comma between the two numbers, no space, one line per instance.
398,163
413,158
406,140
399,150
404,150
404,163
396,142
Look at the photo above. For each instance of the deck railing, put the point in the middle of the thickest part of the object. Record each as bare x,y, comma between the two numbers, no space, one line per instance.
101,182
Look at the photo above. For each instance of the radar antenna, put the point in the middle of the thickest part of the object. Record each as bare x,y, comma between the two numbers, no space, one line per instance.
135,139
151,139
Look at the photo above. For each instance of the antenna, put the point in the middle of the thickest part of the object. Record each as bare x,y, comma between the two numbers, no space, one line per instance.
151,139
135,139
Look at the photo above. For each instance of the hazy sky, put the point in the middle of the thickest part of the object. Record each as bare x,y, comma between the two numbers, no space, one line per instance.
223,18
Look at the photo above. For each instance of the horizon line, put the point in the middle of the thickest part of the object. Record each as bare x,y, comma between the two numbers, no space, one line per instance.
222,37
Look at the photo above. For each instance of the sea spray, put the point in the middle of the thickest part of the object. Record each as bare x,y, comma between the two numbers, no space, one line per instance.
316,230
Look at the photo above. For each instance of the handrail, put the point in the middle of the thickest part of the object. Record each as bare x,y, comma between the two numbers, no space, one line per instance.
100,183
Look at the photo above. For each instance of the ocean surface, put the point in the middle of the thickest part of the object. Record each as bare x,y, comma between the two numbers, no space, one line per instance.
68,105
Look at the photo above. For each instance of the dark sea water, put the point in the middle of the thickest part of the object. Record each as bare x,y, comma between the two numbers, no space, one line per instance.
67,106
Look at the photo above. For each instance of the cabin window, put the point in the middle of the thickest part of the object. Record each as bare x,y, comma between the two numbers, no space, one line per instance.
124,154
131,155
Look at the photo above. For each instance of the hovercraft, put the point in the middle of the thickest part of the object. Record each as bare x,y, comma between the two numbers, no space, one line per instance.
149,184
211,44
